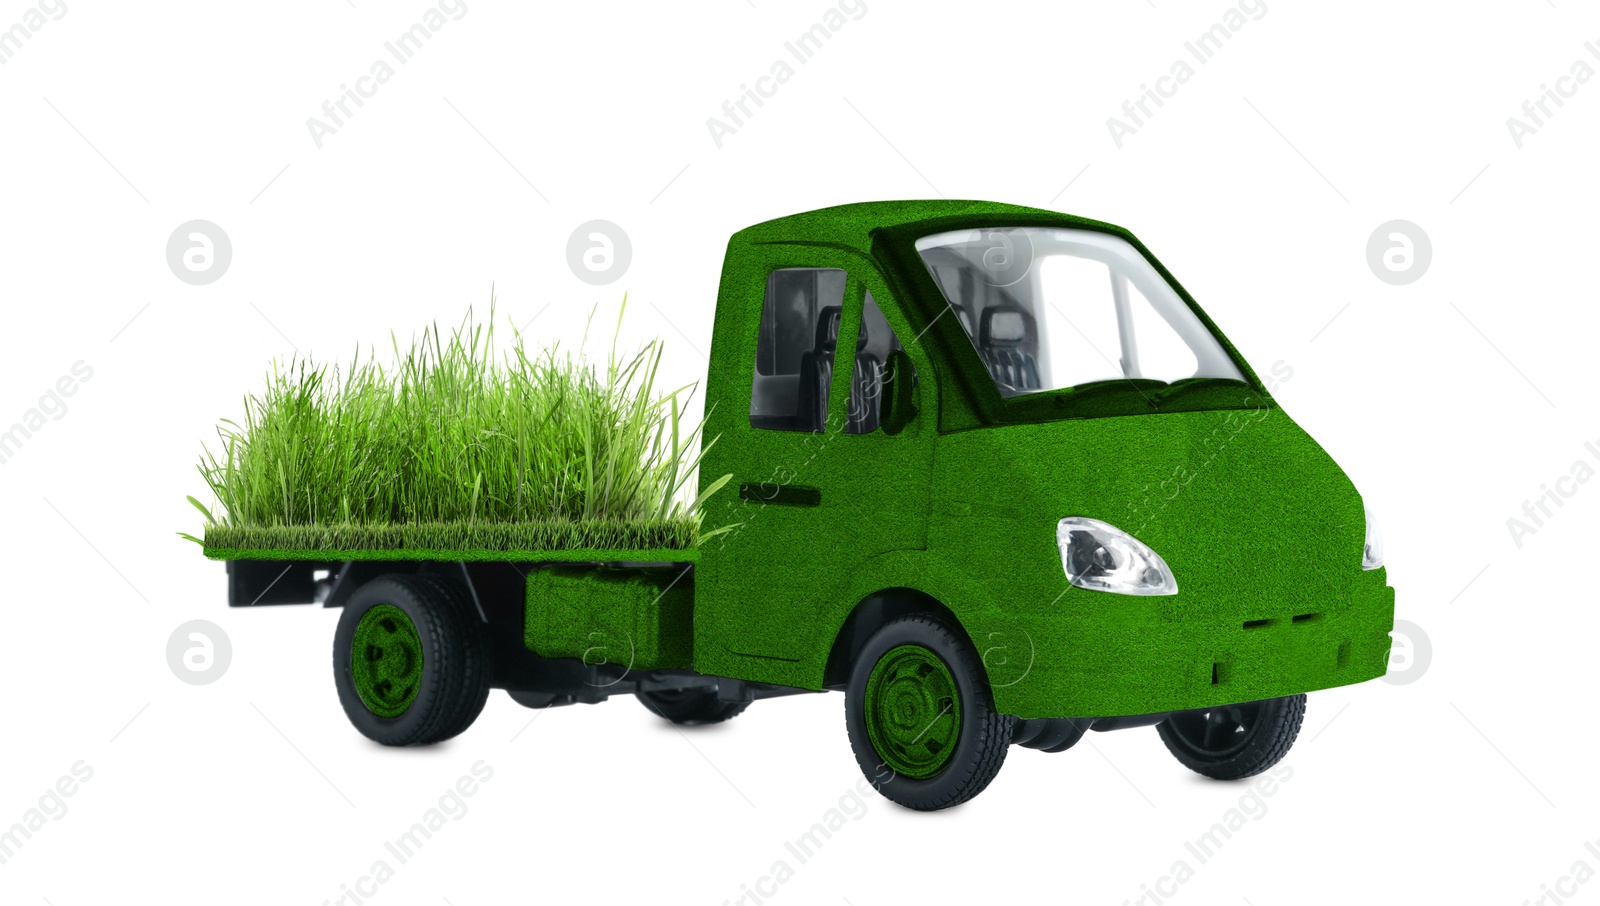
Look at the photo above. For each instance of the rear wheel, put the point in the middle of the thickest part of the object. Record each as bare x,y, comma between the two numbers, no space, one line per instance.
1231,742
691,707
920,715
410,660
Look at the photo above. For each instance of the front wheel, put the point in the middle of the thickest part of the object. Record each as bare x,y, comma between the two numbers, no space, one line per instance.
1231,742
920,715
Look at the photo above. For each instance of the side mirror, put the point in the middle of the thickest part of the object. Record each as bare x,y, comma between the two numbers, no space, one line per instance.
897,400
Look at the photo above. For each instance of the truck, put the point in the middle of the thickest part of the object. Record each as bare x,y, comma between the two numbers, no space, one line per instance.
996,477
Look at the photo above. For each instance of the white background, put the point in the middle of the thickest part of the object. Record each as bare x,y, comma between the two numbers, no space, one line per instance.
1450,401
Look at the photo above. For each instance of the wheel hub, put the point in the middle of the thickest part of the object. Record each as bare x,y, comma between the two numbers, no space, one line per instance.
913,712
386,660
1218,732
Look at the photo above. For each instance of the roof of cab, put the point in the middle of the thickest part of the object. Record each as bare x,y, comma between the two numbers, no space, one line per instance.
852,224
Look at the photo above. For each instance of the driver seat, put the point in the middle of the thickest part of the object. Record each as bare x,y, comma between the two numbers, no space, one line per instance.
1002,331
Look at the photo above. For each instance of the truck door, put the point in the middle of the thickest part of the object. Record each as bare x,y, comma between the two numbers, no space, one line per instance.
818,486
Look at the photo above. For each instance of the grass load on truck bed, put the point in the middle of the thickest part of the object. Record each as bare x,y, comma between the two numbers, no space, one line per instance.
457,450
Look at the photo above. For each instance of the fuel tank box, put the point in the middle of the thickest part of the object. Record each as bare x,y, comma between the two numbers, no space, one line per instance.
636,617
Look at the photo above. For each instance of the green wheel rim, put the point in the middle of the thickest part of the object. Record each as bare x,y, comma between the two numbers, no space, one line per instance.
386,660
913,712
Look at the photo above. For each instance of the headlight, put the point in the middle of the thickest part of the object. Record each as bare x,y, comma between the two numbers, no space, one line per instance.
1101,557
1372,548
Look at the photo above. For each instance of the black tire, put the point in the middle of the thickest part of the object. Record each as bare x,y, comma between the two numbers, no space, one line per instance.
454,681
981,736
1231,742
691,707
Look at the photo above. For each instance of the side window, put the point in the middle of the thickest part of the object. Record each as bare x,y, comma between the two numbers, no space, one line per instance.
874,341
795,348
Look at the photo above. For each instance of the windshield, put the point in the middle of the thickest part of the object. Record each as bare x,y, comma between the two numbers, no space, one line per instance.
1049,308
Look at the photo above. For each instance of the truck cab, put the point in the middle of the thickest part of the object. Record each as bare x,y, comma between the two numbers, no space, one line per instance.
1019,421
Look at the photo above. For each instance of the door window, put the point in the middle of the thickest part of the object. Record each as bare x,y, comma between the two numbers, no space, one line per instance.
874,341
795,348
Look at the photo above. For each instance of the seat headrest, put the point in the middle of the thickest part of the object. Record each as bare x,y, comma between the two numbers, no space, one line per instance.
828,328
861,335
1003,326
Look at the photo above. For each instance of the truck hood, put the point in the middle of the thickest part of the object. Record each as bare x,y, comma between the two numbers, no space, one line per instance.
1254,518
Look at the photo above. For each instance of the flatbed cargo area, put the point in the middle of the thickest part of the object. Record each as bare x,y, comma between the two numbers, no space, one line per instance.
474,555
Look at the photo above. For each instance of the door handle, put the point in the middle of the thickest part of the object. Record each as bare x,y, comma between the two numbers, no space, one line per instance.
781,494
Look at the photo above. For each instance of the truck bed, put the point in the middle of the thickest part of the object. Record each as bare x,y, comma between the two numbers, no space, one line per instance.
552,540
471,555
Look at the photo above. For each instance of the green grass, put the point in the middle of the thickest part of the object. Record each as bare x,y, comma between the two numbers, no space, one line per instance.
456,445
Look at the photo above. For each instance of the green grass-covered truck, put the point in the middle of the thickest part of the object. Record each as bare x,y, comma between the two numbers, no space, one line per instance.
990,471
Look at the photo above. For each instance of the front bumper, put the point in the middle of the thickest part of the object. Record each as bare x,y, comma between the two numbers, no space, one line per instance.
1176,658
